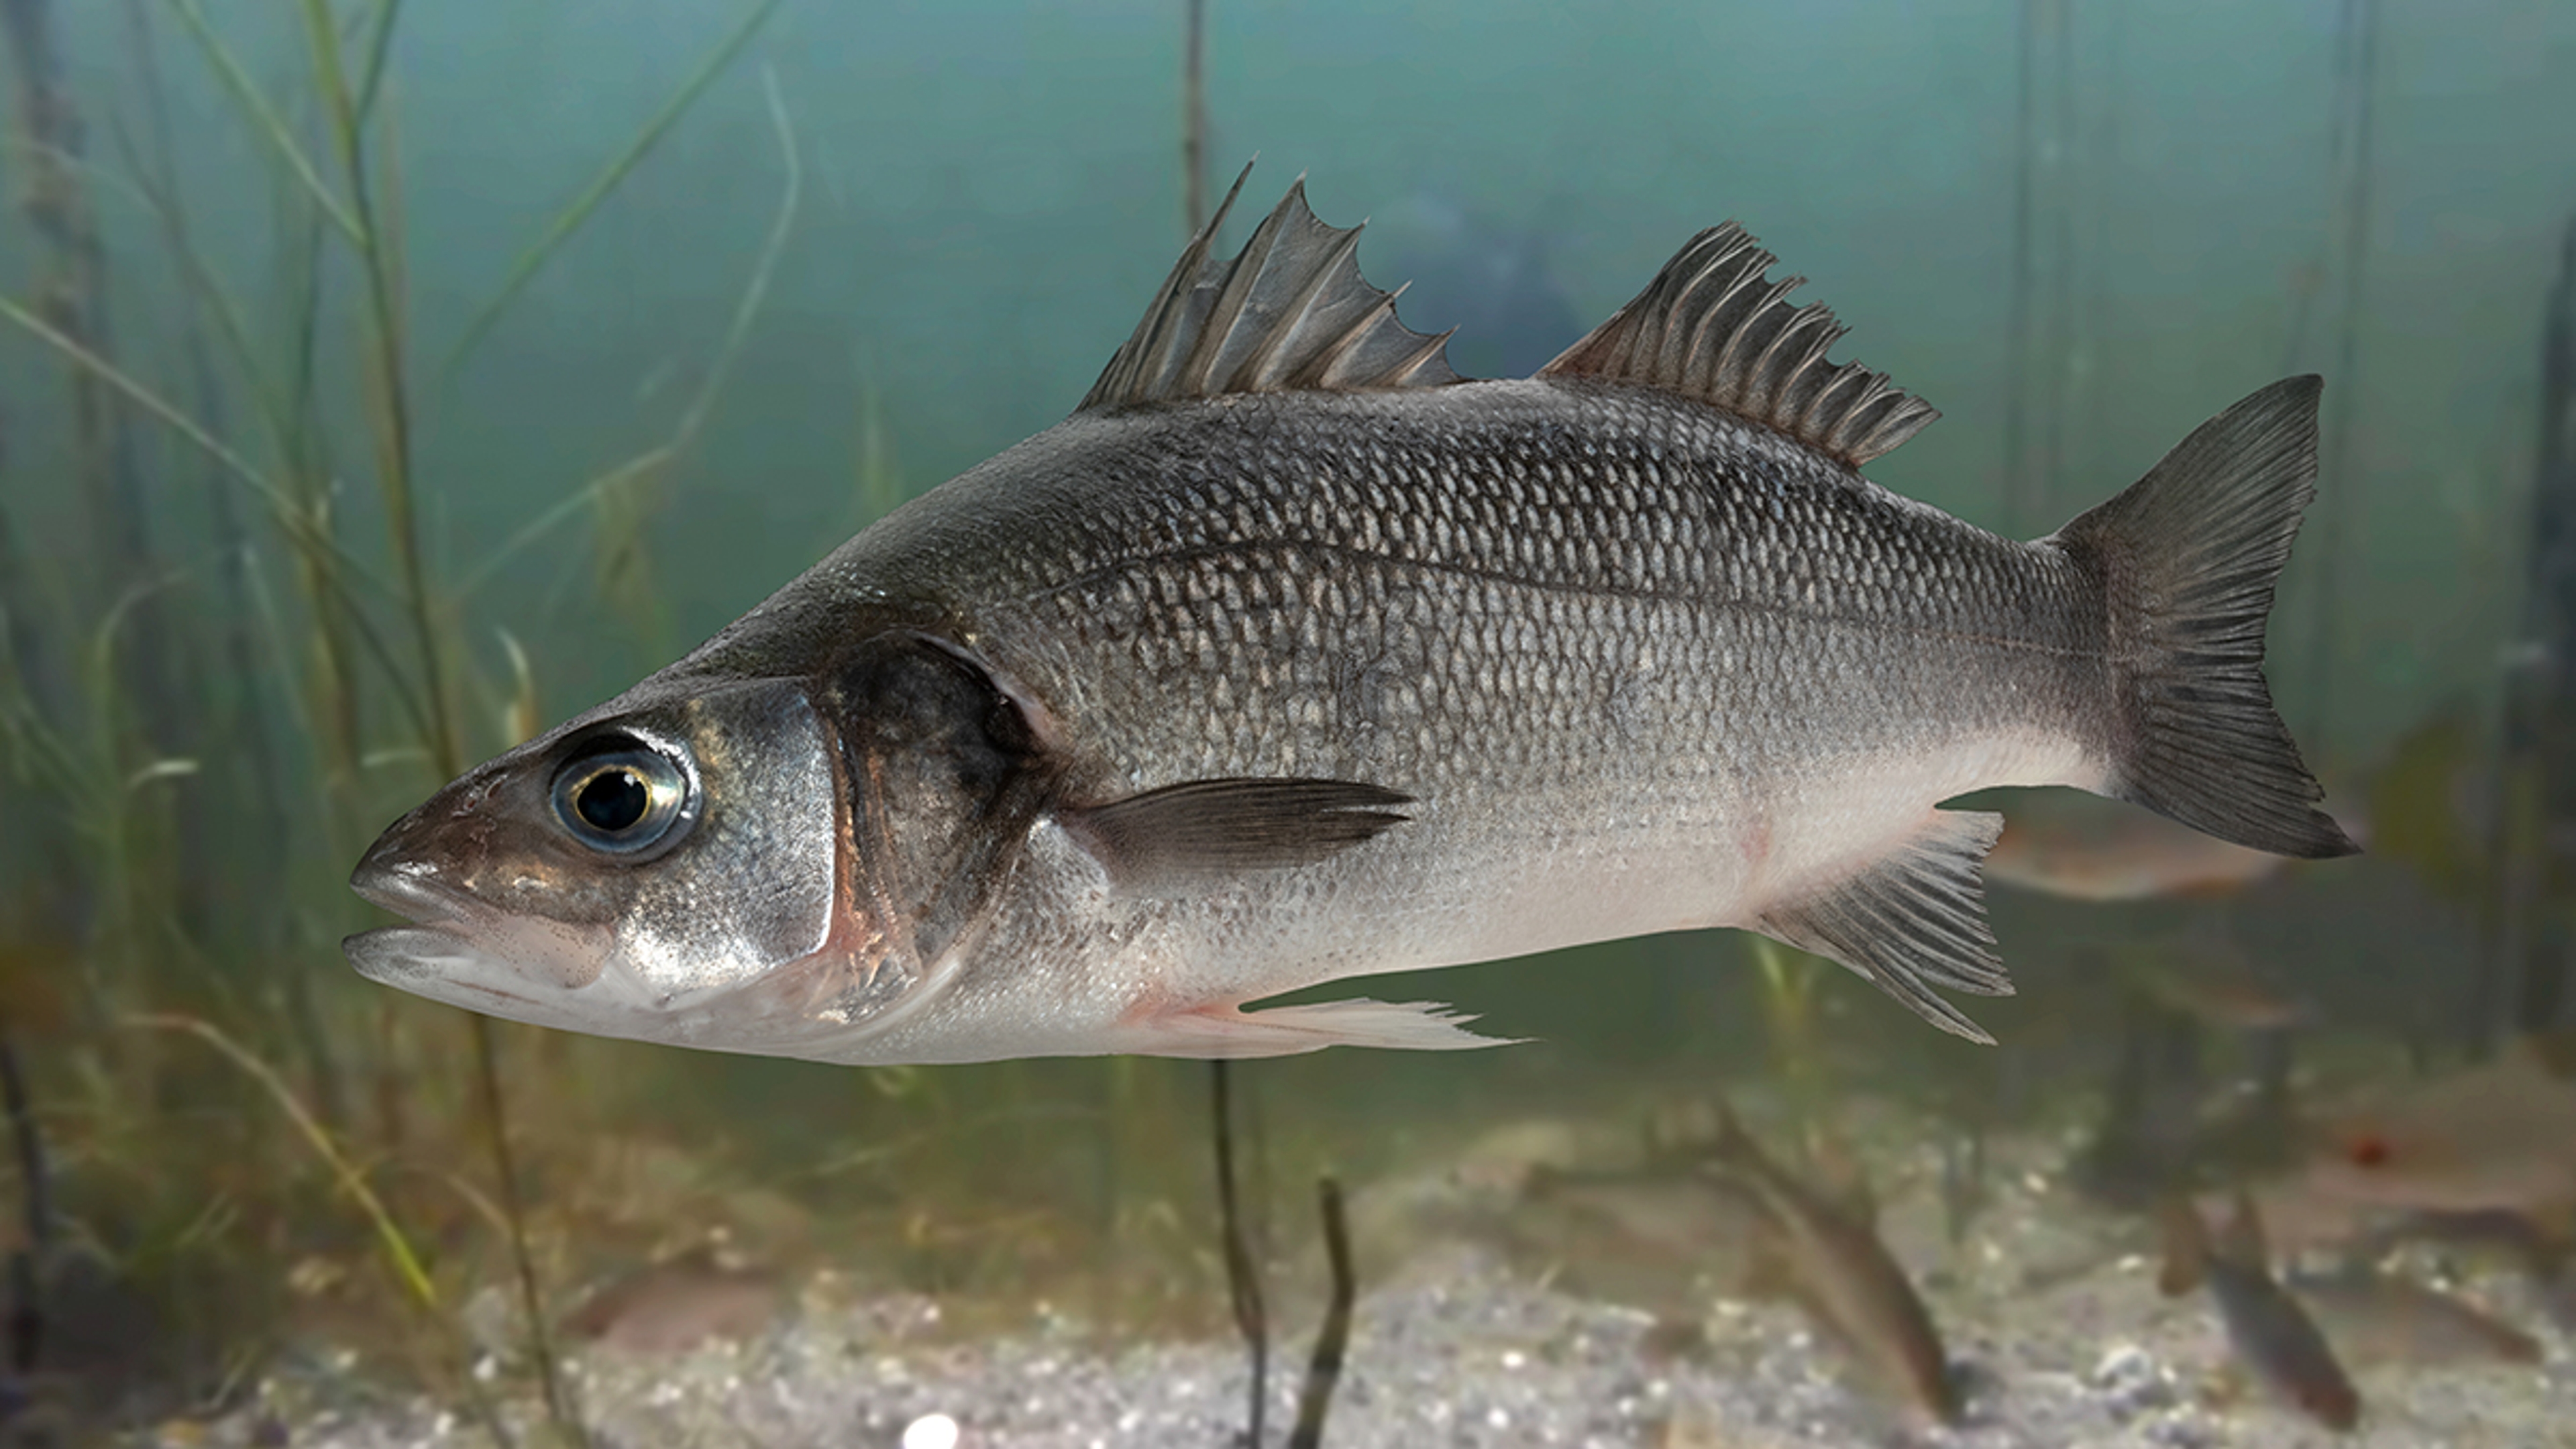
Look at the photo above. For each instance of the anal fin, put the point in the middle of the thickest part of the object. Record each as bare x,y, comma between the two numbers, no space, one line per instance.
1912,921
1280,1031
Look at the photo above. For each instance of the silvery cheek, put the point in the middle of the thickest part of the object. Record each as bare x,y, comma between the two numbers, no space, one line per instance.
752,888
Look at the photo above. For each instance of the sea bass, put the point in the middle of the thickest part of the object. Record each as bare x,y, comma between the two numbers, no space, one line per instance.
1292,656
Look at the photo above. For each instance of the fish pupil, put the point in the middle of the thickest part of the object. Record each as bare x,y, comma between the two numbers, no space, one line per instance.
612,800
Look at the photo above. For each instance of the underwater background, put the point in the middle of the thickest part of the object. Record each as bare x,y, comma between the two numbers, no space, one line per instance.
384,382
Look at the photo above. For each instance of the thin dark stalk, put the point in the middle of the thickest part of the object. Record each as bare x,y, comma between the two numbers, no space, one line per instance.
559,1406
2549,977
2017,317
1194,121
264,118
26,1301
1324,1370
389,396
2522,968
2358,89
72,296
336,704
2057,323
391,414
2106,186
1242,1276
29,652
380,47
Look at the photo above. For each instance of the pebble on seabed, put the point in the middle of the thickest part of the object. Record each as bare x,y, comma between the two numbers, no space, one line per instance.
931,1431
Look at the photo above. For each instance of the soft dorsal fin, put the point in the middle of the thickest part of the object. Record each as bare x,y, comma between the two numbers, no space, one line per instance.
1710,327
1290,312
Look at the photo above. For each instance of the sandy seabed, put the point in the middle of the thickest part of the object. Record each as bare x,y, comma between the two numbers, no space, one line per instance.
1460,1349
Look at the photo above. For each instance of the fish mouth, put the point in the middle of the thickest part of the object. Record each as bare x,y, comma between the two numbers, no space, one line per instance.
458,949
427,957
449,967
440,964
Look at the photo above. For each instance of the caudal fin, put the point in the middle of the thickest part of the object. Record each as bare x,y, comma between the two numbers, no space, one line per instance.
2188,558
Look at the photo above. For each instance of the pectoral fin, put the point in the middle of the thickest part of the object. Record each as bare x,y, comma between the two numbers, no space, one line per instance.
1912,921
1192,836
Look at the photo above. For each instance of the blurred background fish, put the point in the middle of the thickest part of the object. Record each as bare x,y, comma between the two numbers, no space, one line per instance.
2271,1334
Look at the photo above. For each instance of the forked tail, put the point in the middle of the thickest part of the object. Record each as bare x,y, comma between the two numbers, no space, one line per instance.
2188,558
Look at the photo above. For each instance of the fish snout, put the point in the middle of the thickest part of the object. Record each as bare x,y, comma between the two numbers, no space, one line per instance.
406,880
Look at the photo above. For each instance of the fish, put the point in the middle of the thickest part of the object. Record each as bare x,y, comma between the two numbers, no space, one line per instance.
2215,987
2374,1316
2500,1135
1660,1238
2268,1330
1832,1262
1293,657
2080,850
674,1306
2514,1237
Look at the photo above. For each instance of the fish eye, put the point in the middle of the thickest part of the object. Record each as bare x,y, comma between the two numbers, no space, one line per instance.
622,796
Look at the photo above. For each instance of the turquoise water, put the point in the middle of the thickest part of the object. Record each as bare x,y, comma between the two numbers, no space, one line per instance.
883,242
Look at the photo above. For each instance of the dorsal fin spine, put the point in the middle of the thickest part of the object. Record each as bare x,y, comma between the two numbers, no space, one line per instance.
1323,369
1228,307
1710,327
1761,379
1796,395
1171,309
1290,310
1731,311
1267,376
1833,380
1702,362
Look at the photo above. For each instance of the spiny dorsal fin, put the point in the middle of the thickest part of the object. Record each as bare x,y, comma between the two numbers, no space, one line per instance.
1290,312
1710,327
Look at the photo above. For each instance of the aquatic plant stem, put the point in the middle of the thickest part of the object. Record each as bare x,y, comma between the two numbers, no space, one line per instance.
559,1408
2356,88
570,219
1332,1340
399,1257
1242,1275
2025,227
331,564
1194,120
266,121
1789,980
71,287
26,1262
390,413
2521,963
388,398
380,48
